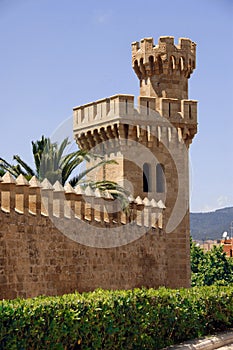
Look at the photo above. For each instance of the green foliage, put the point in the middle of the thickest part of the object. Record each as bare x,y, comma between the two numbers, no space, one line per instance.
136,319
51,161
2,171
212,267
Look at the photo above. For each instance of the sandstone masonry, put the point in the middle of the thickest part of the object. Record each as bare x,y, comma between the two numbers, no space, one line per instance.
56,240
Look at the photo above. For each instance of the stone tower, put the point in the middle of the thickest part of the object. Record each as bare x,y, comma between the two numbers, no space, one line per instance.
151,142
164,69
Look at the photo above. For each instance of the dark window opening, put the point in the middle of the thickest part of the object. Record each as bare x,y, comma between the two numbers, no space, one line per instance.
169,109
146,177
126,128
151,60
160,64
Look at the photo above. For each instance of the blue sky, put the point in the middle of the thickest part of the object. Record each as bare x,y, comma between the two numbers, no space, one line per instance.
57,54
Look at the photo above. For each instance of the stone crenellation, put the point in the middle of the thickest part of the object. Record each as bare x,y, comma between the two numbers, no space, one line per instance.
94,206
166,57
164,69
99,121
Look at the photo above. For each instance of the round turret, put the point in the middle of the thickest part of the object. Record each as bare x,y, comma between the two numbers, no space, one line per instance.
164,69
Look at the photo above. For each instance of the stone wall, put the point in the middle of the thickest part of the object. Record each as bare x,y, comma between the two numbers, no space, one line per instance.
38,259
51,249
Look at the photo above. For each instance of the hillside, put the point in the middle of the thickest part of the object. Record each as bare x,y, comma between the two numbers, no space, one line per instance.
211,225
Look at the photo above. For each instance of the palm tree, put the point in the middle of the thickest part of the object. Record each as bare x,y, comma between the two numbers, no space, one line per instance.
50,162
22,167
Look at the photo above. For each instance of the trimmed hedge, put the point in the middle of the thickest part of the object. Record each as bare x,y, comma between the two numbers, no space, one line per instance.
134,319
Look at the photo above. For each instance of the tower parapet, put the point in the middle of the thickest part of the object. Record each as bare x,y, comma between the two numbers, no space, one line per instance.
100,121
164,69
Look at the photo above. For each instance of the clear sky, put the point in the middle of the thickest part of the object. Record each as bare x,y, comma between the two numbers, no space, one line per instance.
56,54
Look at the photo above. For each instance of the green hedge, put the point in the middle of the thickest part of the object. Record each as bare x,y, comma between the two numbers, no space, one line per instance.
136,319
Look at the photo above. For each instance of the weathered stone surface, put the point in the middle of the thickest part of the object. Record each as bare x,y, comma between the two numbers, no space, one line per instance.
37,259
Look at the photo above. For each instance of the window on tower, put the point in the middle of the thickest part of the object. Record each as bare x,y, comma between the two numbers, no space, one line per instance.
160,178
146,177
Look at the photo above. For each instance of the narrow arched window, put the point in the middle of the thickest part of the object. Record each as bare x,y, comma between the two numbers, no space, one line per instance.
146,177
151,61
160,178
137,69
147,107
169,109
160,64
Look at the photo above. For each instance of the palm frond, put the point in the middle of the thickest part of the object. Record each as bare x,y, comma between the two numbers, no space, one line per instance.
118,192
8,167
27,168
71,162
62,147
79,155
37,150
4,163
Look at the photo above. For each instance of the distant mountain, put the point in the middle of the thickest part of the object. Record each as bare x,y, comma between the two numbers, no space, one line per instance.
211,225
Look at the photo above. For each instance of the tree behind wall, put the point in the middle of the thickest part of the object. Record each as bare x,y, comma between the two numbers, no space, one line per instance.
51,161
212,267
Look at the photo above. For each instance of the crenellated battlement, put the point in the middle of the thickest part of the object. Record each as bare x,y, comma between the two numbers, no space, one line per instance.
108,108
155,65
100,121
165,43
55,201
166,57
